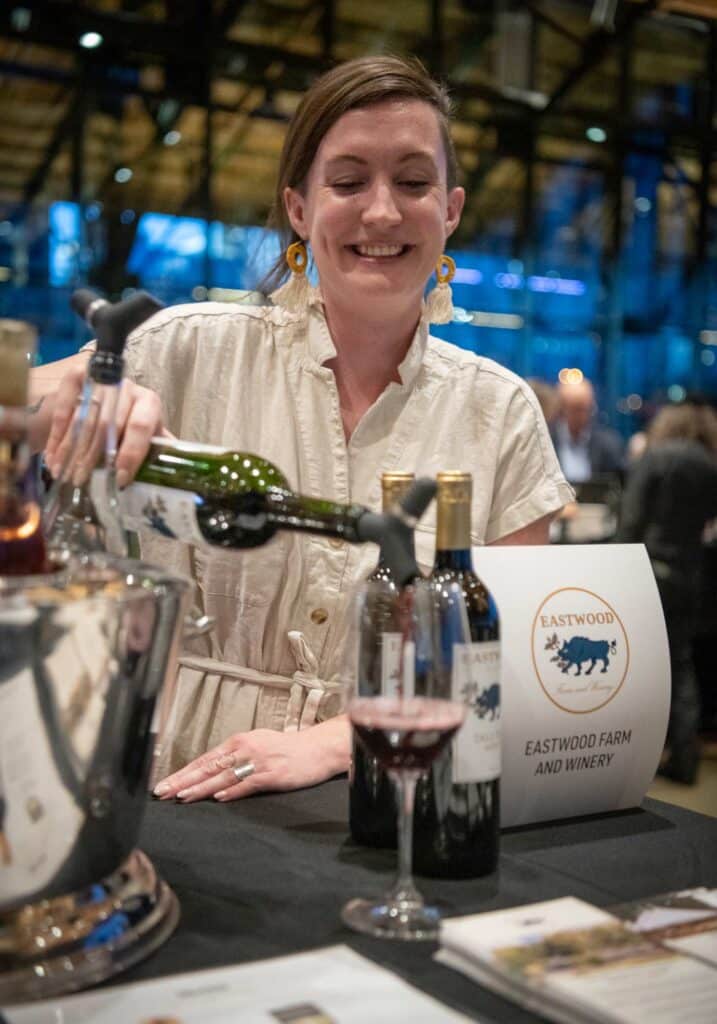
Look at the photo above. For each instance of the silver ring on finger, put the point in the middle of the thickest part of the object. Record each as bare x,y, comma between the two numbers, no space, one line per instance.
243,771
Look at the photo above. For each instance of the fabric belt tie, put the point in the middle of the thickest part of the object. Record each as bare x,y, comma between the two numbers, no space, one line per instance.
307,692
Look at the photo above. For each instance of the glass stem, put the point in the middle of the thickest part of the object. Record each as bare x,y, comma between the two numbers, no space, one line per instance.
404,891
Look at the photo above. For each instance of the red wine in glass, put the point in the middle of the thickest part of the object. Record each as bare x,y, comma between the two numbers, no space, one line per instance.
405,734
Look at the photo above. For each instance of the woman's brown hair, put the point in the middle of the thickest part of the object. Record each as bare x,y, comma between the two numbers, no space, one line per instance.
356,83
686,422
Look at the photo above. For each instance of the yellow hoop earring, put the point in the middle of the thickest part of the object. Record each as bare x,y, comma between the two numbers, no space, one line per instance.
296,258
439,304
296,293
445,269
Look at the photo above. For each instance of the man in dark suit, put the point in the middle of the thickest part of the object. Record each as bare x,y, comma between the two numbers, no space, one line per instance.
585,449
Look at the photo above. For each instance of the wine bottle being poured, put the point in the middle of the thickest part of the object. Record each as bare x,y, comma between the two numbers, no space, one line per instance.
214,496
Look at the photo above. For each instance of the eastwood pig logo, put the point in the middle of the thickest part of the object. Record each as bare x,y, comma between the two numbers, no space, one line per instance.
580,650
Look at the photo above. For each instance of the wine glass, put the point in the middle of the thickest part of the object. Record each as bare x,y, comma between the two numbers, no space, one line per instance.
398,697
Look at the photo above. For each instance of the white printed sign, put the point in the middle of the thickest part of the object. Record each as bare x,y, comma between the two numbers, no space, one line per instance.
585,677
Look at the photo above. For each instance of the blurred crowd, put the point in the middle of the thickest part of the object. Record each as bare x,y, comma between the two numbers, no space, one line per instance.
665,480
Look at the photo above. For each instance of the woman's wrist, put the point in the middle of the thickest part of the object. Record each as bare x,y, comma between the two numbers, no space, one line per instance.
334,739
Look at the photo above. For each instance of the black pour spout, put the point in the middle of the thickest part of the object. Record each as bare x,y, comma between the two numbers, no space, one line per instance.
112,322
394,530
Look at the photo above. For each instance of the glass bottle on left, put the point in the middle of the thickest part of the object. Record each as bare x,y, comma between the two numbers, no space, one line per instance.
78,528
22,545
82,513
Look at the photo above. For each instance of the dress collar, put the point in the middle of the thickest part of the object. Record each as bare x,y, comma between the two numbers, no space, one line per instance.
321,347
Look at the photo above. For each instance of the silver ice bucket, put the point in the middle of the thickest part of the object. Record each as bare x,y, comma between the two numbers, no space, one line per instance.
83,660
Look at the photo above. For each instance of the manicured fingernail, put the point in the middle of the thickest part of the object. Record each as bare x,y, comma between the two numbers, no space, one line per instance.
123,480
161,788
220,795
184,793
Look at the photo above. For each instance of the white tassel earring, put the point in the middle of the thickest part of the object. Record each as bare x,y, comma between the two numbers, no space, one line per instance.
439,304
294,294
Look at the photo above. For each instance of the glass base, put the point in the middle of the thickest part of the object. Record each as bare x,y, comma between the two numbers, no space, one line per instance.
410,920
69,942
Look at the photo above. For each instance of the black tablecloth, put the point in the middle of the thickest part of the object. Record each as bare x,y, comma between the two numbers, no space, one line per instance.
267,876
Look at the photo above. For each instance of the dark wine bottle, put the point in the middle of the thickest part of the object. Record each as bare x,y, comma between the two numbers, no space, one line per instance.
393,487
457,808
372,795
22,545
214,496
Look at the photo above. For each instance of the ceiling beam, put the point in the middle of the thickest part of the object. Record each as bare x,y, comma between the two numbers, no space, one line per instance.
596,47
63,129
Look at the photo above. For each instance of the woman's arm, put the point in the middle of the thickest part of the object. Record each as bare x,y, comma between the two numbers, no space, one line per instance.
534,533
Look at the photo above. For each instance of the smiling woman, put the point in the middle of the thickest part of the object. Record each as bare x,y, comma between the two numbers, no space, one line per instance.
377,209
336,384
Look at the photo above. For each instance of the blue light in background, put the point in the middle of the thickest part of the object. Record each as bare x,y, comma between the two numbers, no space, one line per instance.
64,243
173,250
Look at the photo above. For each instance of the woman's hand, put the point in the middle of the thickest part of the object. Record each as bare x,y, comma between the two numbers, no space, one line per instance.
281,760
139,418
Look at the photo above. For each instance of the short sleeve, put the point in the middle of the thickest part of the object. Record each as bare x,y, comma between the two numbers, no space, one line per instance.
161,355
529,483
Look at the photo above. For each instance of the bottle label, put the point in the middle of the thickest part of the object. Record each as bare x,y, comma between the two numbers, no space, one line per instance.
165,510
476,683
391,664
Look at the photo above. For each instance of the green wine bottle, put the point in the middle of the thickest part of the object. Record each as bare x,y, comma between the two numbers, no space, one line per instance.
208,495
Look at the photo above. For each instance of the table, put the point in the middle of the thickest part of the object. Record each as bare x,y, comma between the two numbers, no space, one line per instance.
267,876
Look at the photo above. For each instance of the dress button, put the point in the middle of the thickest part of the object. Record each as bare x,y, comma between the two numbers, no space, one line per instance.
336,542
319,615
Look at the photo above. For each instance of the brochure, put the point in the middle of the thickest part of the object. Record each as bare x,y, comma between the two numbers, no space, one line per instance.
685,921
327,986
648,962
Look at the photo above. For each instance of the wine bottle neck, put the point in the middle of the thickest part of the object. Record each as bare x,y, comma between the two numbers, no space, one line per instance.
290,511
393,487
96,395
453,524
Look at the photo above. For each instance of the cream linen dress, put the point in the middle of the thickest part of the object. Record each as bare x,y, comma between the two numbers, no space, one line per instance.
254,378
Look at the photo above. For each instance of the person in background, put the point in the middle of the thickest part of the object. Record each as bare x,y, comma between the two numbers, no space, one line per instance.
636,445
335,384
585,450
671,494
548,398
